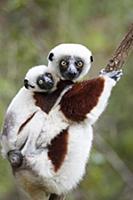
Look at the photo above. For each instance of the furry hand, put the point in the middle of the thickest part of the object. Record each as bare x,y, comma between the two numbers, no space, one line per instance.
115,75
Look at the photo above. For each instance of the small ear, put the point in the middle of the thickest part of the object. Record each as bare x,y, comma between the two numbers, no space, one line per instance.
50,56
91,58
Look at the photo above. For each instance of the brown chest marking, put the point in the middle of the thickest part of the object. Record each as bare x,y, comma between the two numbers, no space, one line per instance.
81,99
46,100
57,150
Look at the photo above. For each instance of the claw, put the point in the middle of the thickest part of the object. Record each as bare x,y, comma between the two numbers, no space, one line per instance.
15,158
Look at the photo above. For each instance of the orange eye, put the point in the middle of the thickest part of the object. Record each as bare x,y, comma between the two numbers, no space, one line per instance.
63,63
80,64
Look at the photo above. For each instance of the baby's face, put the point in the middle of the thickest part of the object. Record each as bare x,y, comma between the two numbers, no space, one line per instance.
40,79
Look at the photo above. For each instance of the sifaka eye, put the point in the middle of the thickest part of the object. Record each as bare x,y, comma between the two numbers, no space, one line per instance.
63,63
40,82
79,64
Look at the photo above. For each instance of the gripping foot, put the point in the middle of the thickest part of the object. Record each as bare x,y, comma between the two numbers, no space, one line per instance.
15,158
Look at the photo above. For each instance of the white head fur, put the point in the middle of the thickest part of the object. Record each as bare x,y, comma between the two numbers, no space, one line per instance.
70,50
37,76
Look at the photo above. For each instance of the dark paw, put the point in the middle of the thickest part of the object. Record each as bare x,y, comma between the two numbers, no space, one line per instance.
15,158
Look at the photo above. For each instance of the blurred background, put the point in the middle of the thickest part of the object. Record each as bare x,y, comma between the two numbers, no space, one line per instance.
28,30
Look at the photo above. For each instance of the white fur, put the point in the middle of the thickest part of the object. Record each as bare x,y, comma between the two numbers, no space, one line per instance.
20,109
103,100
54,123
43,128
52,127
79,146
73,50
73,168
37,71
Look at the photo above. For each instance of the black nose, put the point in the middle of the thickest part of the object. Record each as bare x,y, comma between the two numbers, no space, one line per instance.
45,82
71,75
15,158
26,83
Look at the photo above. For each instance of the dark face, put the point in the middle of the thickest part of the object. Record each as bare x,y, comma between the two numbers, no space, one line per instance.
44,82
70,67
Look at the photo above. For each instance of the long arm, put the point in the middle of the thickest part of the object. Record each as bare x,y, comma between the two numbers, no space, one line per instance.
88,99
20,112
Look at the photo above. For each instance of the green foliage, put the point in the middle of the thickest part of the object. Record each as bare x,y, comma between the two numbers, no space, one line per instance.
28,30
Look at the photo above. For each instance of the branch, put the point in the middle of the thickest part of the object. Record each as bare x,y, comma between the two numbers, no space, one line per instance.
121,53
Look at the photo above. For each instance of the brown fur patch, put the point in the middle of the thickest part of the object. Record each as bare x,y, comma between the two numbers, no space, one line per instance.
57,150
24,124
46,100
81,99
